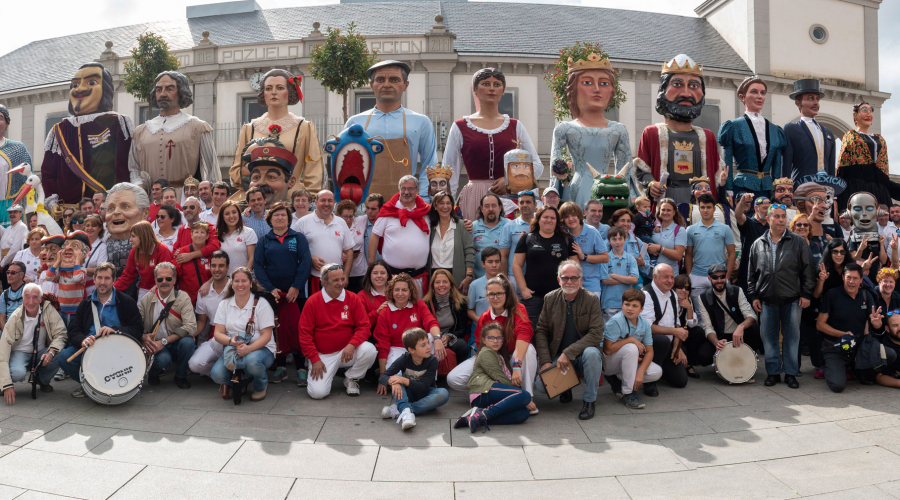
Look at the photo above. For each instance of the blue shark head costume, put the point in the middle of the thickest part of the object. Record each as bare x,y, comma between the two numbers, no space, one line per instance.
352,163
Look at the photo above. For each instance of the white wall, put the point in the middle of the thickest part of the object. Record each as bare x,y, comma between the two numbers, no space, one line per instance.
40,136
527,102
462,96
731,21
794,53
14,131
627,115
228,104
416,93
721,97
126,104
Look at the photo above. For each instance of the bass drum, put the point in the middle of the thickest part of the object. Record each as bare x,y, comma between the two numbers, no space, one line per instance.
736,365
113,369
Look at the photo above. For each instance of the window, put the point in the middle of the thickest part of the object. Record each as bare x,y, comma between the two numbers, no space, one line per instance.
144,114
709,118
52,119
508,103
818,33
250,109
364,101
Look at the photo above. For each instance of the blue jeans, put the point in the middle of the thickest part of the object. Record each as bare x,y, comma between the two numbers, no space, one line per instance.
180,352
786,319
18,367
436,397
72,368
255,365
504,404
589,364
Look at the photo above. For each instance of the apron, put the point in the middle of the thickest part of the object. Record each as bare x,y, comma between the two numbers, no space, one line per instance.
388,170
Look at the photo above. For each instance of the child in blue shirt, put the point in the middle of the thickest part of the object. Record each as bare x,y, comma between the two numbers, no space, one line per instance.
622,270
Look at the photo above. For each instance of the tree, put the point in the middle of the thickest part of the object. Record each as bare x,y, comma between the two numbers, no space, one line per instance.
341,61
149,58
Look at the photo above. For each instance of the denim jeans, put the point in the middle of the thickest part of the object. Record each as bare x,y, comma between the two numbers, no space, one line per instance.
255,365
71,368
18,367
589,364
504,404
786,319
436,397
180,352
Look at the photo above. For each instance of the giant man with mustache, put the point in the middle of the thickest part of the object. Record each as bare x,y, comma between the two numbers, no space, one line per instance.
87,151
676,147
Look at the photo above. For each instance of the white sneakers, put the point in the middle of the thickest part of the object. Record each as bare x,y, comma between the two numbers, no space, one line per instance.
390,412
406,420
352,386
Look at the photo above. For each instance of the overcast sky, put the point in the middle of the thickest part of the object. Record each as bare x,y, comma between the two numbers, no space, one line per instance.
63,17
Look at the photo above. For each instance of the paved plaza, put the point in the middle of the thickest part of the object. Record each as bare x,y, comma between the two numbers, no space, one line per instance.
709,440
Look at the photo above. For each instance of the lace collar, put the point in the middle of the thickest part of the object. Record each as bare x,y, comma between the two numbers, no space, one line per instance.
168,123
497,130
77,121
263,123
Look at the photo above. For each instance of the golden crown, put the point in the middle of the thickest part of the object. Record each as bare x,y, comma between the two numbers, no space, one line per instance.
439,171
191,181
699,179
784,181
682,64
593,61
684,145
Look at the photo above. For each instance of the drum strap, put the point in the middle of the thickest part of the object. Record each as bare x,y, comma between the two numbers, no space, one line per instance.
162,315
737,318
96,318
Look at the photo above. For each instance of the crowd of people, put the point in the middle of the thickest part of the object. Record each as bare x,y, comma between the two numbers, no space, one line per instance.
262,281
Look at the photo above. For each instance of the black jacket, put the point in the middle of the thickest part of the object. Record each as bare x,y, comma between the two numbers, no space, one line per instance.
716,313
793,276
800,157
460,326
129,316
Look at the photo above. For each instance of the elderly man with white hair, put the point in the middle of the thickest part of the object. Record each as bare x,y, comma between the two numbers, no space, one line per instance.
32,340
400,233
169,326
191,211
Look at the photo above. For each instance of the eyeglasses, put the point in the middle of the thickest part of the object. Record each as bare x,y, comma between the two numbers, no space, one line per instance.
167,279
191,207
528,192
12,273
838,251
491,338
718,276
496,295
409,190
77,221
569,278
801,224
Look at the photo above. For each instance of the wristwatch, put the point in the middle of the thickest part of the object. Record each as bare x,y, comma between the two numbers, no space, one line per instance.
165,342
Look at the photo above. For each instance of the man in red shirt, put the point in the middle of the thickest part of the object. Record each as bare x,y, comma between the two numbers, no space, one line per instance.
334,327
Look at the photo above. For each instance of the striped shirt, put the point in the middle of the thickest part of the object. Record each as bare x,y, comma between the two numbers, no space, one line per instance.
258,225
71,286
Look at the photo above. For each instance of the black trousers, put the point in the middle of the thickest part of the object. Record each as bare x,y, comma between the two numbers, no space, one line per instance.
675,375
706,354
837,361
461,349
811,335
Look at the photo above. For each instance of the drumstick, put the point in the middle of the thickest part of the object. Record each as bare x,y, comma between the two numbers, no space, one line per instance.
77,353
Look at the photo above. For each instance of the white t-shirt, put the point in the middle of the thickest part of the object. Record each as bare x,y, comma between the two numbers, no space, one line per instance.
442,247
326,241
209,217
235,319
358,232
235,245
31,261
24,344
12,241
209,304
403,247
170,241
47,286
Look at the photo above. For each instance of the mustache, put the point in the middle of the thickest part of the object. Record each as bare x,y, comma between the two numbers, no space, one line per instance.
266,190
83,93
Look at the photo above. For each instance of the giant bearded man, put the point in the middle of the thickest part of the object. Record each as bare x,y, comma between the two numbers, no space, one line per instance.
675,151
87,151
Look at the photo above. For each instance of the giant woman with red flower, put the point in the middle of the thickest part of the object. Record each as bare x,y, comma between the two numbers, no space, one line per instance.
279,89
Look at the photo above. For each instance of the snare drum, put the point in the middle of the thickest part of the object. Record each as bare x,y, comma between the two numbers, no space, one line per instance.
113,369
736,365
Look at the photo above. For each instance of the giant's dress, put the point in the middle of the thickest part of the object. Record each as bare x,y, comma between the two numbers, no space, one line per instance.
592,145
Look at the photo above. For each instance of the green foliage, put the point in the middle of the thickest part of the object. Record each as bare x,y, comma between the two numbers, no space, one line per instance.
556,78
149,58
341,61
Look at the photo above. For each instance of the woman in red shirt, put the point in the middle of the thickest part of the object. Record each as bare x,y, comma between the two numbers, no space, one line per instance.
518,332
374,286
404,311
195,272
146,253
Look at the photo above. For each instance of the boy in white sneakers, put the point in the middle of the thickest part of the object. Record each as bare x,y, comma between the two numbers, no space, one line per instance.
412,378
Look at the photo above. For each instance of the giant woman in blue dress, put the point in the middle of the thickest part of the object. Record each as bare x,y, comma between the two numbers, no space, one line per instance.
590,139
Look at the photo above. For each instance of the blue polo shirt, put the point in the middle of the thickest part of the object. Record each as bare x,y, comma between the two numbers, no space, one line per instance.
512,231
611,298
667,238
603,229
477,300
484,237
618,327
10,300
709,245
591,244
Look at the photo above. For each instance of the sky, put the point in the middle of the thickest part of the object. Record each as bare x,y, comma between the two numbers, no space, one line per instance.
104,14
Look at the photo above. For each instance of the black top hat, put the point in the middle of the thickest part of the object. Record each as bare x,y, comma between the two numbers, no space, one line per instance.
384,64
806,86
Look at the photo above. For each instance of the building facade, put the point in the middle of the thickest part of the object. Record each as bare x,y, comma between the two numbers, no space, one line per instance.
222,48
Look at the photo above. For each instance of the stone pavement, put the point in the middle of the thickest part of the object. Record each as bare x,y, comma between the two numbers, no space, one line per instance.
709,440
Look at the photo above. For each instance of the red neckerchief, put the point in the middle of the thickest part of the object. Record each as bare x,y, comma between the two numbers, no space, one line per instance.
161,301
417,215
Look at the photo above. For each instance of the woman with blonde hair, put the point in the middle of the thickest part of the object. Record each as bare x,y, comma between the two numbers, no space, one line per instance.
146,253
31,254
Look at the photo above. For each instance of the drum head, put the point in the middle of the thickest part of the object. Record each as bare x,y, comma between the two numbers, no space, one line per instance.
736,364
114,365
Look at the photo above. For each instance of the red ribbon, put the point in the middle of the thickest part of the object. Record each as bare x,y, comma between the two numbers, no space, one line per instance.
296,81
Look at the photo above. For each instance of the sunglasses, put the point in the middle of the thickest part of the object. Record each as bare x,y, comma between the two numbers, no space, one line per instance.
801,224
528,192
667,199
167,279
191,207
888,270
332,268
685,287
162,216
569,278
77,221
718,276
783,207
838,251
762,201
12,273
891,313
